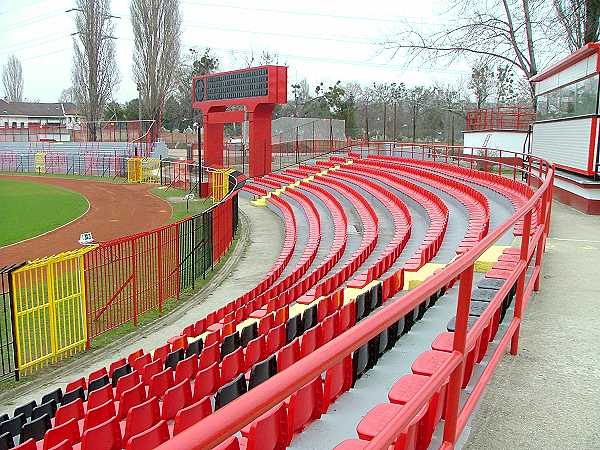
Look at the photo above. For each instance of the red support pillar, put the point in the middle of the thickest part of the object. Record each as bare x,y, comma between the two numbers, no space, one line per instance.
213,139
259,133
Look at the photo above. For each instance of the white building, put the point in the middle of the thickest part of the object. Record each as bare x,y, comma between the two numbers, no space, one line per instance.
51,121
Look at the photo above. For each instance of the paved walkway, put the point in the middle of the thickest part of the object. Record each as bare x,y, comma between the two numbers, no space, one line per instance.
548,396
265,241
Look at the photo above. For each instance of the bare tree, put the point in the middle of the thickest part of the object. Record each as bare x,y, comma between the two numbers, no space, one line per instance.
12,79
481,82
505,31
157,33
578,20
67,96
95,72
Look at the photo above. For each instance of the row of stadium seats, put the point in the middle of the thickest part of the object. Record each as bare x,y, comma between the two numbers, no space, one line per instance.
146,398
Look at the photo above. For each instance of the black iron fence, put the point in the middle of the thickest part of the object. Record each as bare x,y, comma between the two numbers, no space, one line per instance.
8,345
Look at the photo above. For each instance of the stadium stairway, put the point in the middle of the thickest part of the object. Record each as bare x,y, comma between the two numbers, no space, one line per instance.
409,220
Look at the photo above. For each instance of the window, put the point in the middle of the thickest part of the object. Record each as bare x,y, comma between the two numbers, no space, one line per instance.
572,100
22,124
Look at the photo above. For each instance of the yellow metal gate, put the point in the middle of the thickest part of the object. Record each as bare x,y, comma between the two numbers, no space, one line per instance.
50,309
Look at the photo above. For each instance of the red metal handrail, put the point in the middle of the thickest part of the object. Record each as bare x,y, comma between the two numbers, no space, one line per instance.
228,420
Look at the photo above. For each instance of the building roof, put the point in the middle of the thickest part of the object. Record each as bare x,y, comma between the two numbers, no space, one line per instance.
573,58
36,109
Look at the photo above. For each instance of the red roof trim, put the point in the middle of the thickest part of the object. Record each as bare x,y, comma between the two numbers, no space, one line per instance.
572,59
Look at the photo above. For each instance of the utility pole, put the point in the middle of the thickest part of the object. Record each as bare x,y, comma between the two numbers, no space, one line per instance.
395,105
414,136
384,119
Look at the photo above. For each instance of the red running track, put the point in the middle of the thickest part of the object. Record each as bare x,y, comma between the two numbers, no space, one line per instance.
115,210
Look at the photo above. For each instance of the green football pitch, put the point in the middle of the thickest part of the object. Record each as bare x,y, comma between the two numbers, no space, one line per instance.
28,209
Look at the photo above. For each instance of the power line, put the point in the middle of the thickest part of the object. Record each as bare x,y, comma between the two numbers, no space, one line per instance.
308,13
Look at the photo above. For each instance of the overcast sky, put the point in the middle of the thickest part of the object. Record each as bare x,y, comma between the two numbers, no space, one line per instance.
319,40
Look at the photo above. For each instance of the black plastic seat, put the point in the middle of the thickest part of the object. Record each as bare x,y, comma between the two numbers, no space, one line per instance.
3,417
36,429
230,343
249,333
483,295
6,441
173,358
452,324
194,347
45,408
409,320
55,395
293,328
120,372
477,308
73,395
491,283
26,409
13,426
262,371
360,308
378,293
98,383
360,361
309,318
230,391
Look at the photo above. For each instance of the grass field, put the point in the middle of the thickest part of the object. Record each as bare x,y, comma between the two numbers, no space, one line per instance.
28,209
181,208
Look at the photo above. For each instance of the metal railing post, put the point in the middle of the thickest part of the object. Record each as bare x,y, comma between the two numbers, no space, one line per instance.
459,345
514,346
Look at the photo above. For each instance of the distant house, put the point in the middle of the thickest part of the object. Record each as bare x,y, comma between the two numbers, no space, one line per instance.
37,115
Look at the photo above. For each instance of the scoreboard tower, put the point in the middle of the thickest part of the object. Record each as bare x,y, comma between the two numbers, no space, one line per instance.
258,89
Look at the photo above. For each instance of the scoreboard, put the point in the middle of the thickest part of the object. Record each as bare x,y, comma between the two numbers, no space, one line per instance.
266,84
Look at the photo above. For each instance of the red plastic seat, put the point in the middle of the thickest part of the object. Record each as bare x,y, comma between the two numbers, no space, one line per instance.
192,414
176,398
126,382
327,328
275,339
150,370
139,363
186,369
178,342
131,398
79,383
160,382
346,317
305,406
444,343
288,355
308,342
141,417
232,365
404,390
338,380
135,355
255,351
150,438
115,365
73,410
67,431
161,353
210,355
378,417
268,432
99,373
100,396
207,382
98,415
106,436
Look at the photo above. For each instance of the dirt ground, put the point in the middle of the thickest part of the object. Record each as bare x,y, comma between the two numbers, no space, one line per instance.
115,210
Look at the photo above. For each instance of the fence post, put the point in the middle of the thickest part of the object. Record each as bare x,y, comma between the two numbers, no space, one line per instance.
159,271
514,346
459,345
13,316
134,283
